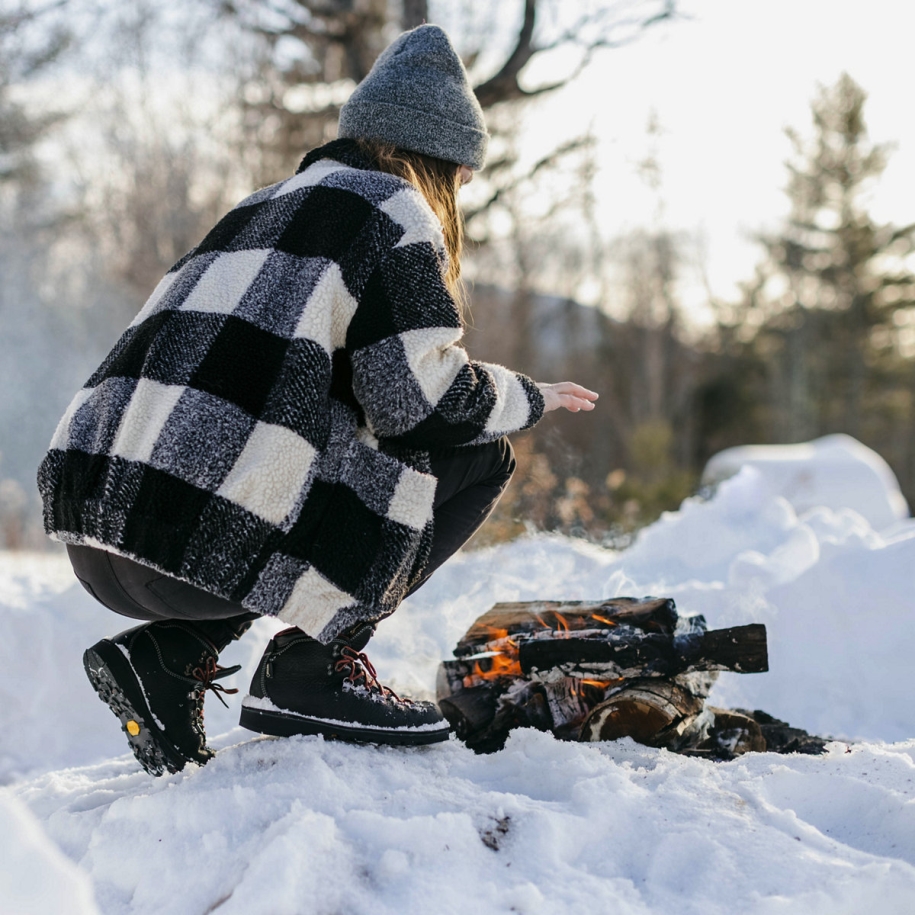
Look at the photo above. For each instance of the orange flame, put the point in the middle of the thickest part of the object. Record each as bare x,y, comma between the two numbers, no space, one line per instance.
501,665
500,640
601,684
561,624
603,619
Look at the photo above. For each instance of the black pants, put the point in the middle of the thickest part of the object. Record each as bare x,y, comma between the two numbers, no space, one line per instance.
470,483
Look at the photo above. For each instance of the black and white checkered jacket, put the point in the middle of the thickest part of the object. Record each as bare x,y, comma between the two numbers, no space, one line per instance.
262,428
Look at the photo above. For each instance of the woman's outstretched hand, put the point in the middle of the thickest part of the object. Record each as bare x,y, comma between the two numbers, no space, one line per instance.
567,394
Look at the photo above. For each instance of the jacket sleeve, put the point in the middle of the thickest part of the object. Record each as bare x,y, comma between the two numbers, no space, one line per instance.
412,377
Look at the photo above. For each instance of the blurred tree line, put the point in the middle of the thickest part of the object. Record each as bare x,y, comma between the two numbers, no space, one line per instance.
127,129
821,340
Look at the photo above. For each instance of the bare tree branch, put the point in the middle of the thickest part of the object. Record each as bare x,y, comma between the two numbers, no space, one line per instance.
550,159
505,84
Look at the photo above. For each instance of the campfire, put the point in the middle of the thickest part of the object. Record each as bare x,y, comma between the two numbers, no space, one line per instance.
602,670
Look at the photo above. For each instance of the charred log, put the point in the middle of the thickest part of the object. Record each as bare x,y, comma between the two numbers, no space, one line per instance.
741,649
642,656
469,711
601,670
650,614
733,732
730,734
654,712
526,708
780,737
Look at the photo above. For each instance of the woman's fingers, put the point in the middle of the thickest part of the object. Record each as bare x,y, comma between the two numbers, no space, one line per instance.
574,397
568,395
574,404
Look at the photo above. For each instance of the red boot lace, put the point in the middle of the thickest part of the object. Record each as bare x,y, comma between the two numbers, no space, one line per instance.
360,672
208,674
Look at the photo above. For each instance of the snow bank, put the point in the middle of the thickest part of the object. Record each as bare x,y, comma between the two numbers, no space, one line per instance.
835,471
838,600
294,826
286,827
35,877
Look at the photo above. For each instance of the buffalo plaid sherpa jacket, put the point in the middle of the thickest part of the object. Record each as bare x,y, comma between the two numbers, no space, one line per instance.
262,428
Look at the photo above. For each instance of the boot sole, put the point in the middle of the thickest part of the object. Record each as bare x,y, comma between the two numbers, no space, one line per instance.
279,724
117,686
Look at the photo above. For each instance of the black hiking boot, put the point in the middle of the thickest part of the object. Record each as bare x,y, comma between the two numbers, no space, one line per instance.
154,679
304,687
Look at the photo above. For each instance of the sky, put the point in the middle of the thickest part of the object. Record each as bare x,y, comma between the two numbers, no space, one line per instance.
723,83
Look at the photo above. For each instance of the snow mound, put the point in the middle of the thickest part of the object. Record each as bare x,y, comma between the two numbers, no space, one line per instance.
836,471
285,827
35,877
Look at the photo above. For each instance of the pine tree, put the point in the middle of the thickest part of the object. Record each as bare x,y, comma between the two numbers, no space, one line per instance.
833,292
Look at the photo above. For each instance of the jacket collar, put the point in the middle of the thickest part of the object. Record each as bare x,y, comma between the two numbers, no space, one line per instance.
345,151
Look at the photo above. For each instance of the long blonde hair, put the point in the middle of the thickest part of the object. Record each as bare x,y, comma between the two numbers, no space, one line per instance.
438,181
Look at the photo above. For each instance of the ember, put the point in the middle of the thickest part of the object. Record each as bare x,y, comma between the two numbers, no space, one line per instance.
600,671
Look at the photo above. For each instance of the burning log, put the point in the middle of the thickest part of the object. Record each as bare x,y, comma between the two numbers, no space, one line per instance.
629,653
599,670
654,712
651,614
469,710
598,644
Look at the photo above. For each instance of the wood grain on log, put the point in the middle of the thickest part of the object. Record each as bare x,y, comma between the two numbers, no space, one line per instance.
566,700
653,712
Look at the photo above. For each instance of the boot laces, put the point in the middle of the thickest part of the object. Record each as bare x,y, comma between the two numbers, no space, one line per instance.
207,675
361,672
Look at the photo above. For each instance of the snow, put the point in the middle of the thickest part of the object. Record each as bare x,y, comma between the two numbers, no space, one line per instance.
36,877
302,825
835,471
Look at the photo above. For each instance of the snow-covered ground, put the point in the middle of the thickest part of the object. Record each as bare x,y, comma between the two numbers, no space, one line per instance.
304,826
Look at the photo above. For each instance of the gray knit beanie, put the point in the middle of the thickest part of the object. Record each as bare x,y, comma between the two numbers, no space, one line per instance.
417,97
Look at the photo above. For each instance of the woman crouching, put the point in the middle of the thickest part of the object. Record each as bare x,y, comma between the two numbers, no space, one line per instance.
291,428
